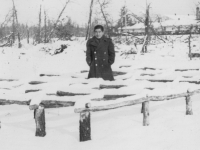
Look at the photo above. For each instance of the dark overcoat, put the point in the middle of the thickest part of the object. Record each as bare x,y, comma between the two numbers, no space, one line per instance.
100,55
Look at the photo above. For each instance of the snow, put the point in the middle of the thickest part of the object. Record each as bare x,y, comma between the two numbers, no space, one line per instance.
121,128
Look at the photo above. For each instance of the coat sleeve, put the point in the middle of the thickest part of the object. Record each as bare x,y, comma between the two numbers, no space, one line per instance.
88,53
111,53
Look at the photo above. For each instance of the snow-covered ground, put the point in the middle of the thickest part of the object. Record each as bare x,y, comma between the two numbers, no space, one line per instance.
170,128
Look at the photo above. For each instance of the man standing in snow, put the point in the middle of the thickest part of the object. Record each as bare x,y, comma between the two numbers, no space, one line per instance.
100,55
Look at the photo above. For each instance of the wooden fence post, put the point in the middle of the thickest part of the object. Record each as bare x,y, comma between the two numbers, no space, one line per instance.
39,115
146,113
188,104
84,125
142,109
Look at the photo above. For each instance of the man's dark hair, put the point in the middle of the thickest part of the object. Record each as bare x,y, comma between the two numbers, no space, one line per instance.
99,27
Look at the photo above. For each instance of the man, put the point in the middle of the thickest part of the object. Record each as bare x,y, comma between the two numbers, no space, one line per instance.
100,55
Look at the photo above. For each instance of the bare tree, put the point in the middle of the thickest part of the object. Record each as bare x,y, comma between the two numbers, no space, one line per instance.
147,23
55,24
15,17
45,27
103,5
89,21
39,26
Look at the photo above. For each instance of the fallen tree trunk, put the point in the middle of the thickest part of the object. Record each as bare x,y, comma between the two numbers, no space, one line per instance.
125,66
10,102
52,104
61,93
9,80
36,90
153,80
48,75
111,97
196,82
116,73
111,86
83,71
143,74
186,69
36,82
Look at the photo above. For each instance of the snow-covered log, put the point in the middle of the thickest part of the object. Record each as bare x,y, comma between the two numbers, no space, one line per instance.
62,93
164,80
9,80
111,106
116,73
36,82
126,66
10,102
34,90
111,86
84,125
136,101
53,104
186,69
49,75
111,97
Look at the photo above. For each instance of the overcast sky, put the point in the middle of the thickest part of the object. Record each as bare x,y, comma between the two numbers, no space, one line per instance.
78,10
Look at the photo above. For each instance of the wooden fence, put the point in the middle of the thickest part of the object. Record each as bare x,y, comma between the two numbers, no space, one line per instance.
85,122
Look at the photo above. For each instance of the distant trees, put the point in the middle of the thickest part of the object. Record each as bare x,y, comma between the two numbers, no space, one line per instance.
66,29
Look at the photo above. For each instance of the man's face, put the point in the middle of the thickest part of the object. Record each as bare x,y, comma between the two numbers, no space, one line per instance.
98,33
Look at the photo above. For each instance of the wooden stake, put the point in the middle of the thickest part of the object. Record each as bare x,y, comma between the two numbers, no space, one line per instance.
146,113
142,109
85,129
188,104
39,115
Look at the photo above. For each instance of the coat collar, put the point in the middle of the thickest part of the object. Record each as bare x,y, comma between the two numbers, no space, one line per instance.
95,42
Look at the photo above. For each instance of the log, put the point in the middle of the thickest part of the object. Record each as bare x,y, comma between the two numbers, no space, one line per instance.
83,71
9,80
111,106
111,86
10,102
36,82
111,97
196,82
49,75
53,104
57,104
125,66
188,104
36,90
40,122
84,125
136,101
116,73
166,97
144,74
146,113
62,93
153,80
163,80
145,68
186,69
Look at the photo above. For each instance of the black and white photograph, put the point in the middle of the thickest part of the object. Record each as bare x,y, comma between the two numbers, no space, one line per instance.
99,74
